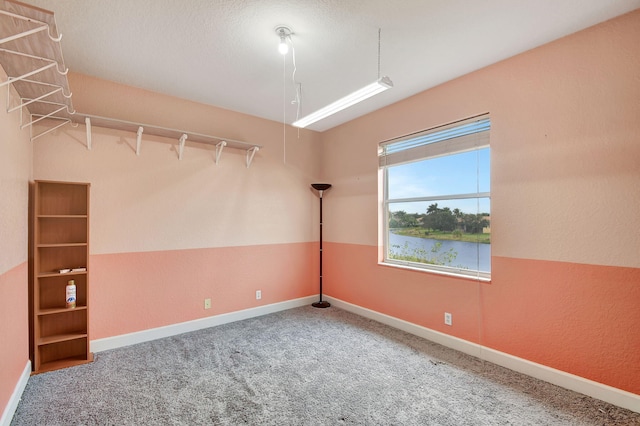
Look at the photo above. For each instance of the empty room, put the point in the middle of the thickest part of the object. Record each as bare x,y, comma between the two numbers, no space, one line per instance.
284,212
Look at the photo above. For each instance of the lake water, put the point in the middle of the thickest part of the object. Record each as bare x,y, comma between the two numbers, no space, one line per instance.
469,255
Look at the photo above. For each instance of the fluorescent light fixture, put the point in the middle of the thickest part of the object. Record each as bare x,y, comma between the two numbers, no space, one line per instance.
366,92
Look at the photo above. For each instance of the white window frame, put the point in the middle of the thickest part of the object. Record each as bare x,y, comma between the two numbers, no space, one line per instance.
461,136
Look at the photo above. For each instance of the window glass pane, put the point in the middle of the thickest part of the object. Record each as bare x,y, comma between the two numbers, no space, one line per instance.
464,173
448,233
437,186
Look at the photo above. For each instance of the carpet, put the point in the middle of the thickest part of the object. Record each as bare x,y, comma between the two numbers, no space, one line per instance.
302,366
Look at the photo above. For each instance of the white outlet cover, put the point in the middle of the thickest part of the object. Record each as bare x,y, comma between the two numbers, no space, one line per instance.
448,318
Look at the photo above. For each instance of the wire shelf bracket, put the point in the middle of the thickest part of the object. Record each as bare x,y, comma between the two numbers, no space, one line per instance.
219,147
251,152
139,139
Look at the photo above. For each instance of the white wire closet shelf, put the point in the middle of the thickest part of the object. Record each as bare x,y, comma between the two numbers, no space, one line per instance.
31,56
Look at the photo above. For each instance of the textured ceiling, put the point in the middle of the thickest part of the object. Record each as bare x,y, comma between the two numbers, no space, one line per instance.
224,52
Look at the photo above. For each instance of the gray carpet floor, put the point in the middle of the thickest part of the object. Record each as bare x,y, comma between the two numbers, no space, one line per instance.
303,366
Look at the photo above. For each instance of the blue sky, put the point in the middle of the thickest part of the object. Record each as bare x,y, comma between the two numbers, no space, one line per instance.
464,173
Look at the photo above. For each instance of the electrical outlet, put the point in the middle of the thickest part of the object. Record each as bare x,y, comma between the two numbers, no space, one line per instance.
448,318
258,294
207,303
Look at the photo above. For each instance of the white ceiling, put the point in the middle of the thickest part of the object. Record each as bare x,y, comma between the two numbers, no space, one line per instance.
224,52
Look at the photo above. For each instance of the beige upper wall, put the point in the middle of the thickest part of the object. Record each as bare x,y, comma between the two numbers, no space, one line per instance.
565,151
15,172
155,201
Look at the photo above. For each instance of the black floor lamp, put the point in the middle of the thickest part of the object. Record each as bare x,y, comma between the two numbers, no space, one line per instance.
321,187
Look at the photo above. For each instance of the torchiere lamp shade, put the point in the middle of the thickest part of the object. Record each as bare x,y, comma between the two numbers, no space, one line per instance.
321,186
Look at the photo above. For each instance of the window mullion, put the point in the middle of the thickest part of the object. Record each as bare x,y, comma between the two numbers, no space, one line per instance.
441,197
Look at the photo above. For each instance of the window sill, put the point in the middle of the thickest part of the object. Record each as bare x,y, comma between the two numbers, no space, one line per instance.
409,267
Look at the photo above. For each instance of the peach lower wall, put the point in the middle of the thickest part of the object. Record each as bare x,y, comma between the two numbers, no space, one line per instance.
578,318
351,273
132,292
14,330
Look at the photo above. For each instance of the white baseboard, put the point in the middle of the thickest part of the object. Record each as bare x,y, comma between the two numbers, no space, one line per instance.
621,398
107,343
12,405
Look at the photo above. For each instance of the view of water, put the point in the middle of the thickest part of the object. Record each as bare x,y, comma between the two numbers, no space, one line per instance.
469,255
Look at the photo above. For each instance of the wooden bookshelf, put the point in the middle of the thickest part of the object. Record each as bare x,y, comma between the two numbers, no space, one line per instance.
59,240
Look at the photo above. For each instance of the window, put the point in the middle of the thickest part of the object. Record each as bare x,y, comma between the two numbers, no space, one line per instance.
437,199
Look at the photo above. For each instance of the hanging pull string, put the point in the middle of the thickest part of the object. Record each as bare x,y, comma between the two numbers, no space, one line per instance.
379,31
298,86
284,109
297,99
299,104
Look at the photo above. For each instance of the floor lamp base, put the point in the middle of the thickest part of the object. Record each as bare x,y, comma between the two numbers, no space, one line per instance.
321,304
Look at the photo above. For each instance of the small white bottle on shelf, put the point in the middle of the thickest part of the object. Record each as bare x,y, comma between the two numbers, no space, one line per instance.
71,294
